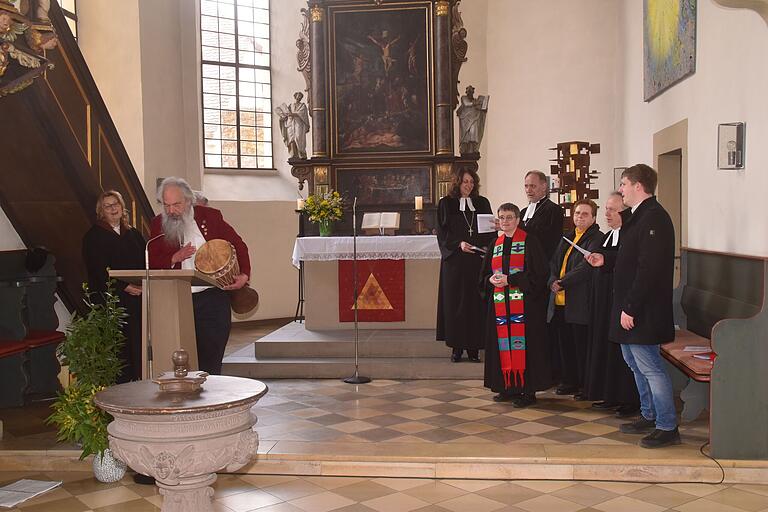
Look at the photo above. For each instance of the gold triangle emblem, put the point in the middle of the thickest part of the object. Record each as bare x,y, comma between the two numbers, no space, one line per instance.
372,296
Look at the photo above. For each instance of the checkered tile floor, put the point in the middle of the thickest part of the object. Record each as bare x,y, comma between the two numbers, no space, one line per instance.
267,493
434,412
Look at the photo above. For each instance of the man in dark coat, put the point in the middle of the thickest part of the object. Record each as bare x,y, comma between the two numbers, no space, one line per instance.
641,315
570,279
532,282
607,378
542,218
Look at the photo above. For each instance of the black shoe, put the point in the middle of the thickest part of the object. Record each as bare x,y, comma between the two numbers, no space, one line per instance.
627,411
602,404
639,426
456,355
566,390
579,396
523,401
660,438
473,356
138,478
505,397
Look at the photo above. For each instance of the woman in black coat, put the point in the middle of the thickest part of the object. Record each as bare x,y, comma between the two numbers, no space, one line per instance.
460,312
112,243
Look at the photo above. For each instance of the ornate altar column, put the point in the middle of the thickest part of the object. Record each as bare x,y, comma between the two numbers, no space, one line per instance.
443,87
183,438
319,112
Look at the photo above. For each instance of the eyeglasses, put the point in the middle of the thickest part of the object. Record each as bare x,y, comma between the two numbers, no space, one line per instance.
110,206
507,217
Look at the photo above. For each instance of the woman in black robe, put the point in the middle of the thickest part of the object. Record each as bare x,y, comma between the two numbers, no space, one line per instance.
608,379
532,281
112,243
460,311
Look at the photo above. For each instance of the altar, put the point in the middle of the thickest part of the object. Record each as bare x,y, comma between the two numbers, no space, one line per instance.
397,281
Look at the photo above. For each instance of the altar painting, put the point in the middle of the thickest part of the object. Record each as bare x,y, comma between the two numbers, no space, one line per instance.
391,187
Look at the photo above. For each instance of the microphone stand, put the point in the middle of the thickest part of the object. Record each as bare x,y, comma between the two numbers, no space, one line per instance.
356,378
148,309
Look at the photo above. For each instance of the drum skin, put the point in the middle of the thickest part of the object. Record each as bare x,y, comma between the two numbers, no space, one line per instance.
217,258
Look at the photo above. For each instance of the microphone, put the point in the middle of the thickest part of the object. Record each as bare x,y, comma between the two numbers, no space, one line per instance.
150,370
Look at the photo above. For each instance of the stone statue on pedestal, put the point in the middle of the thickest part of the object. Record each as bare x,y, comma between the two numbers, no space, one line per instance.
294,125
471,114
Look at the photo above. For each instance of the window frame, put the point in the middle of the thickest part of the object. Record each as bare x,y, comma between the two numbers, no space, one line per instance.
239,170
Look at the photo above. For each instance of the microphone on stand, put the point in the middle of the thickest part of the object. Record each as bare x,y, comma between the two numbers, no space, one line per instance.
356,378
150,370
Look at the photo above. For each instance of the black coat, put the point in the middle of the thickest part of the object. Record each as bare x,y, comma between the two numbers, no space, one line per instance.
642,278
104,249
460,311
546,225
532,281
577,280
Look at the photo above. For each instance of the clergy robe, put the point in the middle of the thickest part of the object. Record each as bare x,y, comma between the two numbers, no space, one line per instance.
532,281
103,248
460,311
607,375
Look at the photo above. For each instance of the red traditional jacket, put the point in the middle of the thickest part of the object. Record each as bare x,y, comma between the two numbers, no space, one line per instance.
212,225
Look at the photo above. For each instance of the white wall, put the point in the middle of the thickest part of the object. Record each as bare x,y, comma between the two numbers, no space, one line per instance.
9,238
551,74
729,85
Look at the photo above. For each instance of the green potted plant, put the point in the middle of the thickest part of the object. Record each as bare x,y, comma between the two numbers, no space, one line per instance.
324,209
92,350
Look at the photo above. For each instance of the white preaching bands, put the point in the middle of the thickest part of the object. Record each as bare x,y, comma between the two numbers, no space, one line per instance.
613,238
464,202
530,211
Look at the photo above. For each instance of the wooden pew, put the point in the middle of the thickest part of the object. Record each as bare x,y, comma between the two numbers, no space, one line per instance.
721,296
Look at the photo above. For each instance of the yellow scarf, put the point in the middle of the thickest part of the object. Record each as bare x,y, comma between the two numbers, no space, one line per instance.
560,296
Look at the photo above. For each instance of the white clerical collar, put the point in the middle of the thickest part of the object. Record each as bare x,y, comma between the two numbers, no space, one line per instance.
612,240
531,209
465,202
116,229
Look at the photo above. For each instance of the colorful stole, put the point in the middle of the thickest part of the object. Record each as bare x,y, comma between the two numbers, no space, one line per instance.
510,311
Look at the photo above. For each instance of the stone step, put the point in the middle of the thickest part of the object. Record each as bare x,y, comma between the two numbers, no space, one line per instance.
340,367
346,348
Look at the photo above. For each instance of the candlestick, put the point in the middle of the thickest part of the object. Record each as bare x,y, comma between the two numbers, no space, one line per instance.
419,202
300,203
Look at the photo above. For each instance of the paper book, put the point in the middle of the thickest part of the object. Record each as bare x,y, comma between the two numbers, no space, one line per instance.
484,102
282,110
385,222
696,348
486,223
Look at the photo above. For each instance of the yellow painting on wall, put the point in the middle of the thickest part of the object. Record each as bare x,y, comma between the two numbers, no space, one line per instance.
669,37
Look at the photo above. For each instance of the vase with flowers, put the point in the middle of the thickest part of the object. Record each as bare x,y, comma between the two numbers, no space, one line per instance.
324,209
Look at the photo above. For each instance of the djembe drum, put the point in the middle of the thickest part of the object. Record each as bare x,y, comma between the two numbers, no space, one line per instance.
218,259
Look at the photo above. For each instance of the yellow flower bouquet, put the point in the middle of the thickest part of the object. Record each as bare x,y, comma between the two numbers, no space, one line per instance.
324,209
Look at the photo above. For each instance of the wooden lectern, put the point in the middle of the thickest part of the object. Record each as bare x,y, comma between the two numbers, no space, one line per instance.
173,321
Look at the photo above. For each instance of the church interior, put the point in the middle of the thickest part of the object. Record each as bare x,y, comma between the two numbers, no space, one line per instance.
330,391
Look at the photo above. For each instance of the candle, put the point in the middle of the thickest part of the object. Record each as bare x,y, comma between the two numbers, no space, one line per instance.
299,203
419,202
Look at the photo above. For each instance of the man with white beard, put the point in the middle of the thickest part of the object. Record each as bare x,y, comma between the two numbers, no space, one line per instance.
187,226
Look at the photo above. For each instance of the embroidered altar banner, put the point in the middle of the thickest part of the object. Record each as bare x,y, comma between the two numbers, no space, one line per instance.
381,291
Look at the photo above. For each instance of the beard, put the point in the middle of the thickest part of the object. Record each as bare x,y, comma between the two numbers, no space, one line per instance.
174,226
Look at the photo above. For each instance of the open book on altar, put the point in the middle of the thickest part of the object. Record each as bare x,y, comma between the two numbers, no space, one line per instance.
385,223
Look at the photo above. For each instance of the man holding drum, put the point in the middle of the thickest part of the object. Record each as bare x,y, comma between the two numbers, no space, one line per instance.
185,228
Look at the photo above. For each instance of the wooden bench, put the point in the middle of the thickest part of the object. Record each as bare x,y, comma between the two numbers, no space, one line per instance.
720,300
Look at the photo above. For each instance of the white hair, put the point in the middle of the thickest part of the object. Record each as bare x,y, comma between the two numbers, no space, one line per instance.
181,183
175,226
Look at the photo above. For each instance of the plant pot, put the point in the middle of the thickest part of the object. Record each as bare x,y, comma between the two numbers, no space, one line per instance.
108,469
326,227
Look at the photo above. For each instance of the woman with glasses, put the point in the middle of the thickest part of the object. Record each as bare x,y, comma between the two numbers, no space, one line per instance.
513,282
112,243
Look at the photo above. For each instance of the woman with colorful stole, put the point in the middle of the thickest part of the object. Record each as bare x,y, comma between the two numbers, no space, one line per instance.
460,312
513,282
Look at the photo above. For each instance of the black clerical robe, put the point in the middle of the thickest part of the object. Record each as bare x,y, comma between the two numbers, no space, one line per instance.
607,375
546,225
532,281
460,311
104,249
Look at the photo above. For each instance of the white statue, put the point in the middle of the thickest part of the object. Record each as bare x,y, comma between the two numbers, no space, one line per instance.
294,125
471,114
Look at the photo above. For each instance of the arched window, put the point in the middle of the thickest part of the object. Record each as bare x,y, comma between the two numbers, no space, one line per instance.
236,84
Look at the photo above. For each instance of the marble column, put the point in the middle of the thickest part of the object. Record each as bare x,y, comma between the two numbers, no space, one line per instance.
443,110
319,96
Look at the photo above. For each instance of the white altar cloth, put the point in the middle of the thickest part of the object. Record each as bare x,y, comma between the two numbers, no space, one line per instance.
329,248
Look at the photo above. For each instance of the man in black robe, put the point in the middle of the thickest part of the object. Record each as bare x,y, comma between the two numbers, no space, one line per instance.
542,218
532,281
608,379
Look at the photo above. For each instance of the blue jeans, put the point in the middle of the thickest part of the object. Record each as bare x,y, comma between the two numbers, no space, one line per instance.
657,400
